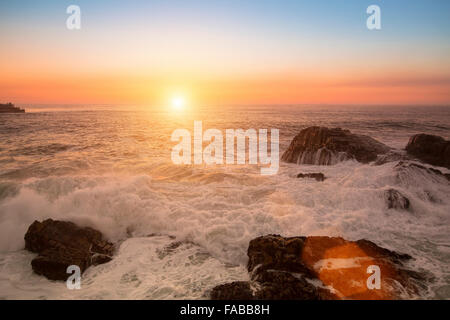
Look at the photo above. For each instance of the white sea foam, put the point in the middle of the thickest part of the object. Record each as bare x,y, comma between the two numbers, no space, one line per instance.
218,210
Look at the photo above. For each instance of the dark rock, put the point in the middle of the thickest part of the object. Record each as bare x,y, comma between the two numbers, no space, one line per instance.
431,149
327,146
171,248
315,268
395,200
282,285
238,290
53,263
61,244
276,252
318,176
371,249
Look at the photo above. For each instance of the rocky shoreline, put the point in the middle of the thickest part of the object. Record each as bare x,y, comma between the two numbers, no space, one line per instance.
321,268
311,268
280,268
328,146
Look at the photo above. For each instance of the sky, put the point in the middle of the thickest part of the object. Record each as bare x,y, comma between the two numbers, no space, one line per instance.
218,52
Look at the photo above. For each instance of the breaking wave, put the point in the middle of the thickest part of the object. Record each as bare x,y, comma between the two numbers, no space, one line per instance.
184,229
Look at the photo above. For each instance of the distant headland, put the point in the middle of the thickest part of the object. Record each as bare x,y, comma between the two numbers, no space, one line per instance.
10,108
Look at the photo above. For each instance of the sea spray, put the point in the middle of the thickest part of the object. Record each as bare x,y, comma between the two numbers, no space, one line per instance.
213,153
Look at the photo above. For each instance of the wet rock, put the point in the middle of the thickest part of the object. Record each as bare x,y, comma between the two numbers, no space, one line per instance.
61,244
238,290
315,268
171,248
430,149
328,146
395,200
281,285
318,176
278,253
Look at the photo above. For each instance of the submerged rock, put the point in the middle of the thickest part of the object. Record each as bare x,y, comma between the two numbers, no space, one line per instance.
314,268
391,156
61,244
395,200
406,169
431,149
425,181
318,176
328,146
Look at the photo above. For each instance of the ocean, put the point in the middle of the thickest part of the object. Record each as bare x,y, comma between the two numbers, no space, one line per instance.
184,229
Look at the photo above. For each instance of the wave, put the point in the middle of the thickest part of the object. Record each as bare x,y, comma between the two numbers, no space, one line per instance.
221,209
323,156
39,150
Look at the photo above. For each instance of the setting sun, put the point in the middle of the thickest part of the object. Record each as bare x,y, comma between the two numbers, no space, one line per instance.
178,103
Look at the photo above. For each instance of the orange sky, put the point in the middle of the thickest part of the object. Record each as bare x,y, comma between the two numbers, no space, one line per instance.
227,53
260,89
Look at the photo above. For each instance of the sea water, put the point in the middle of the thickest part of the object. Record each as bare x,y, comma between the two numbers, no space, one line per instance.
183,229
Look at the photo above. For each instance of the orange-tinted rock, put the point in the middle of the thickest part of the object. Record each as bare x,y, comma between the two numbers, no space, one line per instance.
314,268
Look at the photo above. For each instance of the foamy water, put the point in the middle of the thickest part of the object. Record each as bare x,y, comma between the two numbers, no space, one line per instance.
112,170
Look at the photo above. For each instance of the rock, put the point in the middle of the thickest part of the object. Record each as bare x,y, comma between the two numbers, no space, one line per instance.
318,176
238,290
395,200
53,263
281,285
430,149
328,146
61,244
315,268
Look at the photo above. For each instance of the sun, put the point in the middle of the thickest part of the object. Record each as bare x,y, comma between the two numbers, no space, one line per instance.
178,103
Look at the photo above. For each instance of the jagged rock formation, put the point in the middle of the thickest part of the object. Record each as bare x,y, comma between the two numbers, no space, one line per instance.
61,244
328,146
430,149
395,200
314,268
